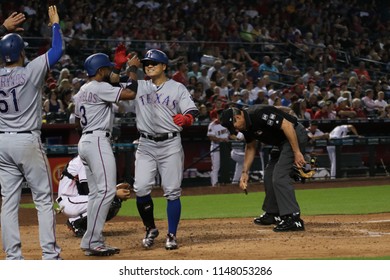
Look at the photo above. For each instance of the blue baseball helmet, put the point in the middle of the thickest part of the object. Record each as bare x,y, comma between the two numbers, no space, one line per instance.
156,55
96,61
11,46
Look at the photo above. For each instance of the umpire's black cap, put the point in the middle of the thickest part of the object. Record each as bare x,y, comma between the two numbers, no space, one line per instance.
227,118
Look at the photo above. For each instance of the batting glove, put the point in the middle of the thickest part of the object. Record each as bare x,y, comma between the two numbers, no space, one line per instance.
120,57
183,120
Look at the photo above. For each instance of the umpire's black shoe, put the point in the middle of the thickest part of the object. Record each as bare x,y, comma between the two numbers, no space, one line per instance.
290,223
267,219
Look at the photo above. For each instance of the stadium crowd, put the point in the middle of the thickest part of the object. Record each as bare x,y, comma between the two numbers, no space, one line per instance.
324,59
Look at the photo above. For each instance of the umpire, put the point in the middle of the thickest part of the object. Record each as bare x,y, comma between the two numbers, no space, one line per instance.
273,126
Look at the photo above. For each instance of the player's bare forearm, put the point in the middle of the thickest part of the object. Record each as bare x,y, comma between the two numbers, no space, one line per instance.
127,94
114,78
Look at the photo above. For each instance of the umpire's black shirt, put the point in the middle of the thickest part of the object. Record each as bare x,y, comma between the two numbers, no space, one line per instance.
263,123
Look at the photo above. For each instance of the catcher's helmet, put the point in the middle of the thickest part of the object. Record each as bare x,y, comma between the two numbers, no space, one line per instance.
96,61
11,46
155,55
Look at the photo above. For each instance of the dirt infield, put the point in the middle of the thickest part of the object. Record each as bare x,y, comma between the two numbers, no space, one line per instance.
327,236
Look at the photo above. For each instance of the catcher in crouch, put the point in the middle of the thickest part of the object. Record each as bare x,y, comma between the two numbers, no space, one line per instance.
277,127
73,196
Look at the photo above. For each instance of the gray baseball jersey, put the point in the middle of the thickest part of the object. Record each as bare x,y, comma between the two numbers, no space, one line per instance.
94,108
22,156
155,108
21,96
94,105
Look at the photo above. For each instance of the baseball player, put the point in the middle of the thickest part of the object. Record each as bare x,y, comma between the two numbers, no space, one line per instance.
21,153
163,108
217,134
272,126
73,196
95,114
237,154
338,132
12,23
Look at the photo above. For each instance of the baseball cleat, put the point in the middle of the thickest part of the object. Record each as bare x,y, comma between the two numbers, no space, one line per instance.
151,234
116,250
290,223
100,251
267,219
171,243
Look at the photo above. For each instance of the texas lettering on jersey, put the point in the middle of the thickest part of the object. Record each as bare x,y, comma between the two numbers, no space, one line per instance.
156,98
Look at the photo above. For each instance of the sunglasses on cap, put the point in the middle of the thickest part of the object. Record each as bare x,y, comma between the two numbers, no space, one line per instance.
150,62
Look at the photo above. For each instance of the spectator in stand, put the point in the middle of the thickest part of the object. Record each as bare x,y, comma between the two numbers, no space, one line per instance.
204,79
300,110
204,114
243,57
267,68
312,103
286,97
357,106
53,103
277,101
76,84
380,101
180,75
310,74
253,73
192,81
195,71
298,88
260,84
216,67
64,74
244,97
352,83
261,98
311,88
290,71
362,71
371,108
322,113
66,98
332,114
343,110
272,95
385,113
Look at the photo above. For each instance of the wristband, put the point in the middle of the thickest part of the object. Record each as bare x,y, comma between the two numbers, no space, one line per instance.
245,172
132,69
116,71
3,30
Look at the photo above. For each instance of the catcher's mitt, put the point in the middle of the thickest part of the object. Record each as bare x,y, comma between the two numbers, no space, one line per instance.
301,174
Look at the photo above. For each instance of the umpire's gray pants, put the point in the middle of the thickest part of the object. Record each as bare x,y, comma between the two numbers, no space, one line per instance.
279,190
